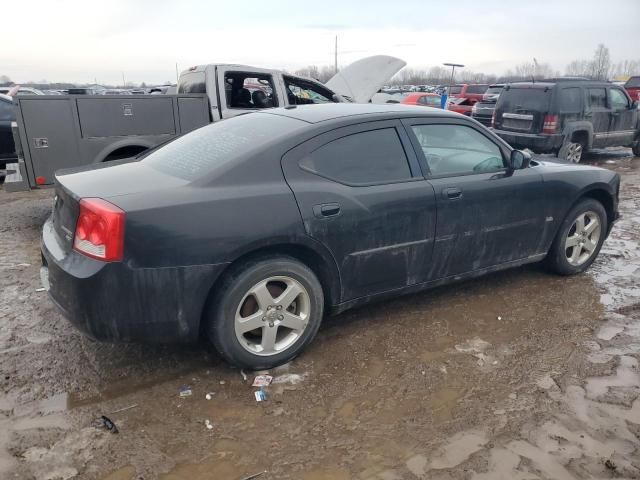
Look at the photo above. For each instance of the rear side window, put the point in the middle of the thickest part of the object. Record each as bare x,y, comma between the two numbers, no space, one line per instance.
249,90
365,158
522,100
477,88
597,97
192,82
456,89
569,101
215,146
6,111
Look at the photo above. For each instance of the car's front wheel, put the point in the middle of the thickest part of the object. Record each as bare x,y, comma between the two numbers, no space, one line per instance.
579,238
265,312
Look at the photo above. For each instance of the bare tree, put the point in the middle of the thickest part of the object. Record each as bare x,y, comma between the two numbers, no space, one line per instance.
5,81
601,64
579,68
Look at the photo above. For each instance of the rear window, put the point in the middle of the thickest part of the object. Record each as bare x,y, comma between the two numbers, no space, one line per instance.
192,82
209,148
477,88
517,100
633,82
456,89
493,90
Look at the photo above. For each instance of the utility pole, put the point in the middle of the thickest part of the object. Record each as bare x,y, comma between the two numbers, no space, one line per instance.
177,73
453,69
336,56
123,82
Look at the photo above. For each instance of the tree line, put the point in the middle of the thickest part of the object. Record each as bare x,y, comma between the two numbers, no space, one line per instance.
599,67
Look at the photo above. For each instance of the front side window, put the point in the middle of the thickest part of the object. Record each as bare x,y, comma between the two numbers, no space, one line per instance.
597,98
457,150
618,100
249,90
192,82
570,100
302,92
364,158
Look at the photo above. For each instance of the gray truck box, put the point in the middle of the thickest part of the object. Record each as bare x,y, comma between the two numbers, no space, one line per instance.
54,132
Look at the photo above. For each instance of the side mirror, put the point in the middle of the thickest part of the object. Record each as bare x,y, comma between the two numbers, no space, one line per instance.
519,159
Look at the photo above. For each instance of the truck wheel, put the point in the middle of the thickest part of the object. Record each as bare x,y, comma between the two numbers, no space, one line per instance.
265,312
579,238
571,152
636,148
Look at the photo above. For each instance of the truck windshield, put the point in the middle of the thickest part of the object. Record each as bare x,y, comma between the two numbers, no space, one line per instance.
520,99
204,150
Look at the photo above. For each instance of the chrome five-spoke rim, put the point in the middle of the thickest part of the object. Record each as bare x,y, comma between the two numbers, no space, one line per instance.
272,315
574,153
583,238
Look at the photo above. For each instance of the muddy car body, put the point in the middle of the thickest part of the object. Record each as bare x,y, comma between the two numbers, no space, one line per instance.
273,218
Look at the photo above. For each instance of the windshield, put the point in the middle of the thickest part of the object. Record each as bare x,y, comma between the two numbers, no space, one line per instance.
208,148
520,99
455,89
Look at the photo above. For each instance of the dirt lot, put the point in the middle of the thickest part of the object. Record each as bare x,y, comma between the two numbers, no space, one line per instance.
519,375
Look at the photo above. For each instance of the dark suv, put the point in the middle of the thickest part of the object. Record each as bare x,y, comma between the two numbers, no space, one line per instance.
567,117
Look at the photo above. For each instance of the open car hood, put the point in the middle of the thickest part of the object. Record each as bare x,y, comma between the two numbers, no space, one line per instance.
363,78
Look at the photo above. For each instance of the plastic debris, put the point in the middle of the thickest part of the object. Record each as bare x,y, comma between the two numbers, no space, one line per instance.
260,395
40,289
209,395
244,375
255,475
222,382
124,409
262,381
208,424
499,317
185,391
106,423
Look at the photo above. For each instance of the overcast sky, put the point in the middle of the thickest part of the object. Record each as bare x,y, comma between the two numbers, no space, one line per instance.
78,41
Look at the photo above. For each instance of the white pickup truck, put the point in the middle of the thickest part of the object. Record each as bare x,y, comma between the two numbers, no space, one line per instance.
64,131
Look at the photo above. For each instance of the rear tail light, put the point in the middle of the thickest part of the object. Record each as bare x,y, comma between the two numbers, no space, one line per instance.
100,230
550,124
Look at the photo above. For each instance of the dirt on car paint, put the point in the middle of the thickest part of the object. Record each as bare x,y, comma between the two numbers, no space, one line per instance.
518,375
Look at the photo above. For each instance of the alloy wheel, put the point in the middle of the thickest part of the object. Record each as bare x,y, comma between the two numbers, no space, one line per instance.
272,315
574,153
583,238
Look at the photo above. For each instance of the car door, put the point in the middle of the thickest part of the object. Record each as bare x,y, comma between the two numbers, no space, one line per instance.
361,193
598,113
7,115
487,214
623,118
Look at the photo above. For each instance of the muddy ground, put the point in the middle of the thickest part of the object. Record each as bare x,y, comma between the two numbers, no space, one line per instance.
519,375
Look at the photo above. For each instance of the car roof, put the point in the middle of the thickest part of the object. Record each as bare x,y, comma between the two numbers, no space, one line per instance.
6,97
332,111
553,82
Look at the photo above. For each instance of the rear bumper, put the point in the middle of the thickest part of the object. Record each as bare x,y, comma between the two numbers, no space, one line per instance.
539,143
115,302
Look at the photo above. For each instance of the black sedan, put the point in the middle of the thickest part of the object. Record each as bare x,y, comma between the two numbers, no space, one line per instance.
250,230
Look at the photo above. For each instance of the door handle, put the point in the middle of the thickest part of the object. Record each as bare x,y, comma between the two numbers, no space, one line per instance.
452,193
326,210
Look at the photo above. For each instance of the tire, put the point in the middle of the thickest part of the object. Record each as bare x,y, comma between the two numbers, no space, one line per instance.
636,148
243,295
571,152
562,258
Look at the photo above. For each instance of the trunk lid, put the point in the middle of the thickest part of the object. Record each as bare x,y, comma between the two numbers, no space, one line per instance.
363,78
523,108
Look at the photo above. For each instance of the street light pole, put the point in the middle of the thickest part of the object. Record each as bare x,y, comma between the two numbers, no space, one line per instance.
453,69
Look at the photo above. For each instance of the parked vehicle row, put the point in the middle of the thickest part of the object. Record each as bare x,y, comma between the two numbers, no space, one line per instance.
249,231
567,117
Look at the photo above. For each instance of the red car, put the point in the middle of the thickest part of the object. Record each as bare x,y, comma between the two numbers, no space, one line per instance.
422,98
460,105
633,87
471,91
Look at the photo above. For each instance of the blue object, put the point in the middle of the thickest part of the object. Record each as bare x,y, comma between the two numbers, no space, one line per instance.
443,100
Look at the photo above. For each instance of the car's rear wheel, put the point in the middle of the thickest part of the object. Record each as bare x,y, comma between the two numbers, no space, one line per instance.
579,238
265,312
571,152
